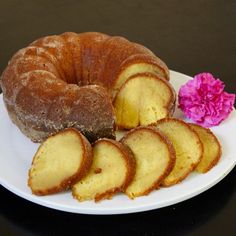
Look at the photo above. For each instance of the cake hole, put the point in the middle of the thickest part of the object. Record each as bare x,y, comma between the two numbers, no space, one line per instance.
97,170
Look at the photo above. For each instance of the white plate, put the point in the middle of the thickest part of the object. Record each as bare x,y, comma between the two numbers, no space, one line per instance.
16,152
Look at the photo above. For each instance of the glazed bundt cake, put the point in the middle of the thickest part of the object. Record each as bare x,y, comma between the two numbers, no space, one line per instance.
70,80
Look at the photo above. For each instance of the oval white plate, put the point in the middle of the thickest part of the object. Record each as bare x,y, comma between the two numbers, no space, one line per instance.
16,152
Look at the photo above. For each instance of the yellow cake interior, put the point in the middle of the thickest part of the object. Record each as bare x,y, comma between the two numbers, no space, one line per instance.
57,159
211,149
142,100
152,159
107,173
134,69
187,147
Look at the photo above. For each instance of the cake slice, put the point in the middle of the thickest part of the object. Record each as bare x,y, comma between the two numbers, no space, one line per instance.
211,149
112,170
61,160
142,100
155,157
188,148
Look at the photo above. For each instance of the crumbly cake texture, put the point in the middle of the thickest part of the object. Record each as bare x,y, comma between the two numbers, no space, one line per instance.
70,80
188,148
61,160
112,171
211,148
155,158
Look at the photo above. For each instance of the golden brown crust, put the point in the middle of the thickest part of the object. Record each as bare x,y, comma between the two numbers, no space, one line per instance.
80,173
193,166
108,194
91,49
172,156
73,42
57,46
218,156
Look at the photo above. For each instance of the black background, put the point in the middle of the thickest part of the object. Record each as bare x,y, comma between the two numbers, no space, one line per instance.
191,37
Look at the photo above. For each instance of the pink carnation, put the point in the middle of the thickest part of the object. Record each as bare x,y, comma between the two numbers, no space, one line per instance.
204,101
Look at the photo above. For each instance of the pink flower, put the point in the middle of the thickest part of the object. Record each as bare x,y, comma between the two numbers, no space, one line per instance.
204,101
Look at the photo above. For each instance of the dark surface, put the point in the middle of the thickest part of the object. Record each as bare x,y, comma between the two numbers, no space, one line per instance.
191,37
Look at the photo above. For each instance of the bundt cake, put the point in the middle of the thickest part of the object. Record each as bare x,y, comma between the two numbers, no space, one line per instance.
188,148
112,171
70,80
155,158
61,160
211,148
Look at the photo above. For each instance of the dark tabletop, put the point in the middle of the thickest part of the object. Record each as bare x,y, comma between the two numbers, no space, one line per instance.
191,36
